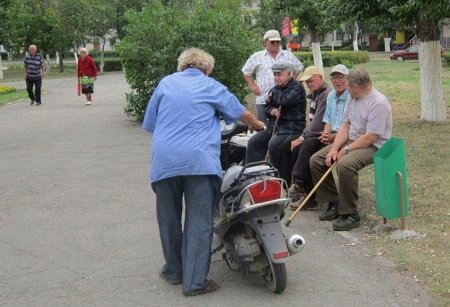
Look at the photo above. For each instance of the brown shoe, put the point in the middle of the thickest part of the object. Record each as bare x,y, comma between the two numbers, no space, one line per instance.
311,204
297,189
175,281
210,287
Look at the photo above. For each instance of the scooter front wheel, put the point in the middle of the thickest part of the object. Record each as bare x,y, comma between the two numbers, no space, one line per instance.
275,277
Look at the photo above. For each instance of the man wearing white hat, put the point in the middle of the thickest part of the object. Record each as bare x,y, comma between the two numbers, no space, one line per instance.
260,63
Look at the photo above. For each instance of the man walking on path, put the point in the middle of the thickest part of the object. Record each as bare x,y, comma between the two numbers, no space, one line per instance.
33,71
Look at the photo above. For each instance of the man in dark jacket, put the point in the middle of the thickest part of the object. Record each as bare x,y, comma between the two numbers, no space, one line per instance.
285,109
304,145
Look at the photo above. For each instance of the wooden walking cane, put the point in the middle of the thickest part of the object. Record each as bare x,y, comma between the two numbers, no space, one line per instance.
288,222
273,132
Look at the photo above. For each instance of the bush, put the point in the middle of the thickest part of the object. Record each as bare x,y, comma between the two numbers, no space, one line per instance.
6,89
107,54
149,53
66,66
109,64
446,58
331,58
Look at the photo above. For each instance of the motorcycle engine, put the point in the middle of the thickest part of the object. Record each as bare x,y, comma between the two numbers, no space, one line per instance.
246,248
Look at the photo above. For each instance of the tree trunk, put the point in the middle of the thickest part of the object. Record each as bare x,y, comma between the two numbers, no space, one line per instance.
102,55
317,55
61,64
431,95
315,47
355,36
1,68
433,107
387,44
49,65
333,39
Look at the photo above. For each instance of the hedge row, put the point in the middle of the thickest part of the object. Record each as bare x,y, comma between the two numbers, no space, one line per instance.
106,54
331,58
109,65
6,89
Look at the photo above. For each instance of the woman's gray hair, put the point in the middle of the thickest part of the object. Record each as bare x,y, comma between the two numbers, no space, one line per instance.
196,58
359,77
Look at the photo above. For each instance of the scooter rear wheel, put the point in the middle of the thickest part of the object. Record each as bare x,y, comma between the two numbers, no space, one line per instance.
275,277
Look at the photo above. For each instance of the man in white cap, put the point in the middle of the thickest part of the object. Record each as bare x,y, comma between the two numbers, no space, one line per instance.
260,63
332,120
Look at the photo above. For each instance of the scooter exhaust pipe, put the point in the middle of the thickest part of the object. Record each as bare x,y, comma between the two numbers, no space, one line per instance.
295,244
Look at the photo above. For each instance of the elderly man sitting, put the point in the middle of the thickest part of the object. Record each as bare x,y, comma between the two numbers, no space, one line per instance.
366,126
285,109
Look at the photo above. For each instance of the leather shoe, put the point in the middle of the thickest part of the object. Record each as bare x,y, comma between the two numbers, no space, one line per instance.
331,213
311,204
175,281
211,286
347,222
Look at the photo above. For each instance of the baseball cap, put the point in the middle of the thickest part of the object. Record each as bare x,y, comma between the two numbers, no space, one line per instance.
272,35
309,72
282,66
340,68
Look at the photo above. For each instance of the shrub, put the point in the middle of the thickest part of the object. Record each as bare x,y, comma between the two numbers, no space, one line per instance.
107,54
331,58
446,58
66,66
109,64
6,89
149,53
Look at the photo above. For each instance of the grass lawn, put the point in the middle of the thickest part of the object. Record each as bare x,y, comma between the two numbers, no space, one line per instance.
7,98
428,168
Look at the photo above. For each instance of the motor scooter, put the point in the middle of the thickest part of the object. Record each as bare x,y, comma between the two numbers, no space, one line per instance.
252,204
234,143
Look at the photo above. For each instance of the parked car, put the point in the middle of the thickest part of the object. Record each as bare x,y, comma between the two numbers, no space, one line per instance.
410,53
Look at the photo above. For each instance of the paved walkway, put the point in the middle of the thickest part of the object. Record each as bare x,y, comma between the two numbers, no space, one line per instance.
78,225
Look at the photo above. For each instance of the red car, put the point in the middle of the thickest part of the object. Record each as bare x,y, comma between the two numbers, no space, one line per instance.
410,53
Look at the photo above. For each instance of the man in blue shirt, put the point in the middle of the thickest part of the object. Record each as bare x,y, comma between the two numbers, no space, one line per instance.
183,116
34,70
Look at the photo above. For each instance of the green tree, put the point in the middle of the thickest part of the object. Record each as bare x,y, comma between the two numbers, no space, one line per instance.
425,15
103,19
18,25
312,14
149,52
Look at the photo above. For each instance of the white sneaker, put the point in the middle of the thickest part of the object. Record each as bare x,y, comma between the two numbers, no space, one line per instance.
88,103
